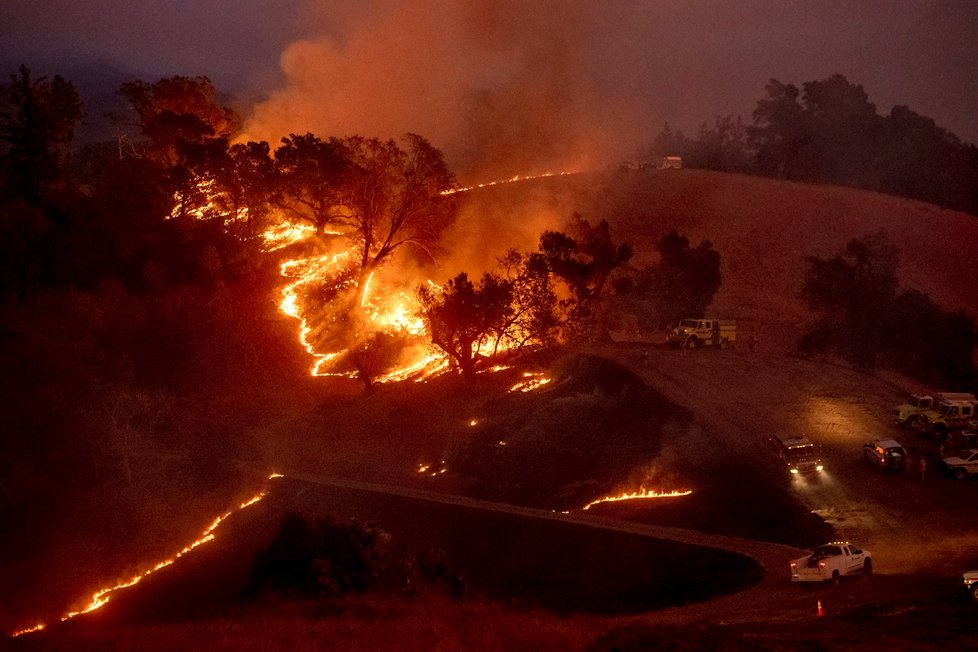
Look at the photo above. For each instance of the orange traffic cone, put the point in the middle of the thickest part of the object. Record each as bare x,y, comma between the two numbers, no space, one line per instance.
821,612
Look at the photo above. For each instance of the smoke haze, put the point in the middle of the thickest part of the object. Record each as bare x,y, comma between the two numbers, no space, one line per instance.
501,87
506,87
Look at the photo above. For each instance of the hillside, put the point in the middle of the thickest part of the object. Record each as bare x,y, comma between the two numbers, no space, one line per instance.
763,229
615,416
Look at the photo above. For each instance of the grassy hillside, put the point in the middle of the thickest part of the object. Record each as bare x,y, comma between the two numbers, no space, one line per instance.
763,229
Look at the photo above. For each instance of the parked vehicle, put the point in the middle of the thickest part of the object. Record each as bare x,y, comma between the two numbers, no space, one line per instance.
831,562
886,454
947,415
905,414
796,452
694,333
670,163
963,465
958,441
971,584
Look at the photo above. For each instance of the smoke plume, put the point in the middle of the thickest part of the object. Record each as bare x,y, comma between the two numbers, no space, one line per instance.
502,87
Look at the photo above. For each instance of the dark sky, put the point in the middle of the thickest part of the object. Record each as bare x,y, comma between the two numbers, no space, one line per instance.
606,72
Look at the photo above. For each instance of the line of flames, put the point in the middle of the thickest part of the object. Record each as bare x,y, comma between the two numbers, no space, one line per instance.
640,494
518,177
394,311
386,310
101,597
531,380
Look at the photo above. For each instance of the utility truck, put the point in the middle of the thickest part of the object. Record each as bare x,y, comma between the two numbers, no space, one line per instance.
947,415
694,333
906,414
831,562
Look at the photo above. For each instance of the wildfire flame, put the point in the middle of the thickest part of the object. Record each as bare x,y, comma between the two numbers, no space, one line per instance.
387,310
101,597
531,380
432,469
640,494
525,177
284,234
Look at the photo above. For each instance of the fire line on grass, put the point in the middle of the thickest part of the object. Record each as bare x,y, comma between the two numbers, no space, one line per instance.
102,597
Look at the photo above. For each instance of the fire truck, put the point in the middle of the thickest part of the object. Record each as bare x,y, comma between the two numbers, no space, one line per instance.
947,415
906,414
693,333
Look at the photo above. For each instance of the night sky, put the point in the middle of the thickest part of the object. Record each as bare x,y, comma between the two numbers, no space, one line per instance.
600,74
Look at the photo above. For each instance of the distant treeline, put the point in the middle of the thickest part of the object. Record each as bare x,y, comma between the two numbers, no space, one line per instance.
829,132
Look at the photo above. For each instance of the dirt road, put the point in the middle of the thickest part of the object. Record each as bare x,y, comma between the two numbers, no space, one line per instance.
911,525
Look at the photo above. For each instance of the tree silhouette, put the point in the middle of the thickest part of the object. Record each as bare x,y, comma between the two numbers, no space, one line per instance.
682,284
311,172
462,316
861,316
37,120
536,315
583,261
779,133
177,110
392,197
853,292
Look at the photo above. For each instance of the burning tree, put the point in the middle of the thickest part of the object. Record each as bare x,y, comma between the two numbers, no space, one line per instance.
310,173
393,197
461,317
536,315
371,197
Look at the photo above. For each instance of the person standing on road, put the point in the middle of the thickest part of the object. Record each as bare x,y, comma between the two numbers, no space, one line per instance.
923,467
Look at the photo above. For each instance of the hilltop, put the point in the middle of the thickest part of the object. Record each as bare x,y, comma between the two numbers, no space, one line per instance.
763,229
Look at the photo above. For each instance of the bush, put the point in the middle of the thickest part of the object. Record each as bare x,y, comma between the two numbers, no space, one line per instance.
325,558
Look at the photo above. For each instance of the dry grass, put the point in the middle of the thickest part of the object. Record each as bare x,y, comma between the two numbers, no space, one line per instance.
763,230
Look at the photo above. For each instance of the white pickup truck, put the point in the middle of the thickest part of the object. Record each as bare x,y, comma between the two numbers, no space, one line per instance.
830,562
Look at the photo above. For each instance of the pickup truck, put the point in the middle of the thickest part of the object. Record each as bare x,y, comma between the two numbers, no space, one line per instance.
830,562
962,465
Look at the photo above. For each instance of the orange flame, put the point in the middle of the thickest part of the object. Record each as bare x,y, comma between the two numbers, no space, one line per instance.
531,380
525,177
640,494
432,469
101,597
387,309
